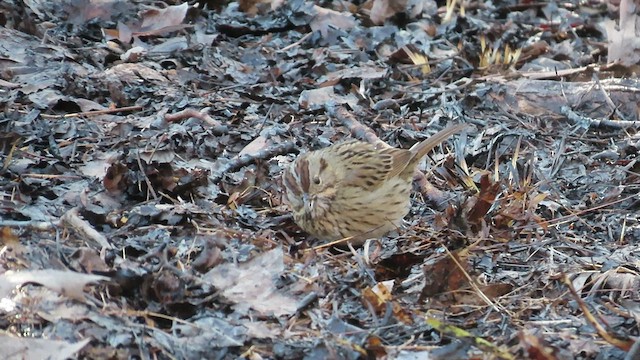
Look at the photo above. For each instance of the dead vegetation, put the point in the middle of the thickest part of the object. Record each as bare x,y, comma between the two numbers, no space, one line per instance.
141,207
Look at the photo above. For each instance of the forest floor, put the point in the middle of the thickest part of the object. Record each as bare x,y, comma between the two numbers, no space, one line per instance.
142,145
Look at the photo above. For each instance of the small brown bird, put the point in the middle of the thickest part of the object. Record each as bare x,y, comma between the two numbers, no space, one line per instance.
352,189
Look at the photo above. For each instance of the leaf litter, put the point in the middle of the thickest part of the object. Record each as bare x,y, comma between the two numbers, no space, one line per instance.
141,207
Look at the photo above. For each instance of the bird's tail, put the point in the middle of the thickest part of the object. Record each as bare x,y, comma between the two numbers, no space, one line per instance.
421,149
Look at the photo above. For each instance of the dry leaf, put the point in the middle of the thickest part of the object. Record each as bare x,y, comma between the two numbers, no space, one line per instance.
624,40
252,284
67,283
15,348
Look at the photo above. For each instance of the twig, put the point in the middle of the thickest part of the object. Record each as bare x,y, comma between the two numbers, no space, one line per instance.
37,225
72,218
576,215
51,176
607,98
590,122
13,140
216,126
146,178
634,352
358,130
248,159
429,191
498,308
302,39
161,253
613,339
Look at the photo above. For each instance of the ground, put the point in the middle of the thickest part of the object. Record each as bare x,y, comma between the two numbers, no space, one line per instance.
142,210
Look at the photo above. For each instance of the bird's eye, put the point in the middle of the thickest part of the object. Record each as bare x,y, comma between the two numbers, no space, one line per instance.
316,180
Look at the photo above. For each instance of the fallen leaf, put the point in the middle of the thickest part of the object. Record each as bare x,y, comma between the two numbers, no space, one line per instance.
15,348
624,40
253,284
327,18
67,283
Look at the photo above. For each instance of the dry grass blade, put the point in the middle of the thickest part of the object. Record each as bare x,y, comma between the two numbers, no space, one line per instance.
624,344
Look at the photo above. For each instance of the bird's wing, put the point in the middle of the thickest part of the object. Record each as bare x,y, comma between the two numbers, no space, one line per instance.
367,166
400,159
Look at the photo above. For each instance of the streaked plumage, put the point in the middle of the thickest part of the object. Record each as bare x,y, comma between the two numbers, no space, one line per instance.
353,189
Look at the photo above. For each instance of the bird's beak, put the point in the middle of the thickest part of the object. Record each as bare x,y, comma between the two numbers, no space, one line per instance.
308,201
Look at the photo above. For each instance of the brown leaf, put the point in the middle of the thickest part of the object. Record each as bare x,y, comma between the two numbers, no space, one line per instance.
536,347
444,274
384,9
116,179
486,197
7,237
157,20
